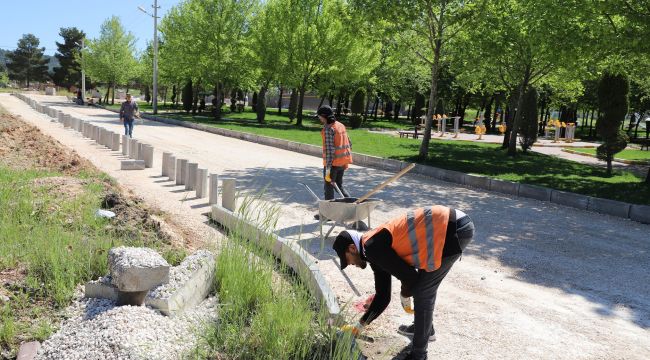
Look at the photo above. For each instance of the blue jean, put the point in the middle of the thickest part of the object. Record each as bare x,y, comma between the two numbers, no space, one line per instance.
128,127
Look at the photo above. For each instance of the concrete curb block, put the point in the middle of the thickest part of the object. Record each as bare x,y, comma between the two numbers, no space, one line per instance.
609,207
289,253
481,182
535,192
556,196
505,187
640,213
570,199
132,165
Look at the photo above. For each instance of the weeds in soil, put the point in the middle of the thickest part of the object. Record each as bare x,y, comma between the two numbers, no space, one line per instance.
267,311
55,243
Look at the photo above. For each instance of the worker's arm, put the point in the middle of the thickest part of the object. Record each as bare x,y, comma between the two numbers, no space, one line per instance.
329,146
379,252
122,110
382,296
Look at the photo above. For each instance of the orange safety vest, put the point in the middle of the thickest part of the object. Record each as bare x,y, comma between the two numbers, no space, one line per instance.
418,236
342,147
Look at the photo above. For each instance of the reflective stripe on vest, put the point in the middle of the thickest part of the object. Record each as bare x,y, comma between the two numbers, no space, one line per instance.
418,236
342,155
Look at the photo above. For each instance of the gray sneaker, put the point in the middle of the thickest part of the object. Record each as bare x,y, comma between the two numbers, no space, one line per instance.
407,330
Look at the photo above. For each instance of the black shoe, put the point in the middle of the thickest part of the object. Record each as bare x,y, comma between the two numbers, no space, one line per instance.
409,356
360,226
408,330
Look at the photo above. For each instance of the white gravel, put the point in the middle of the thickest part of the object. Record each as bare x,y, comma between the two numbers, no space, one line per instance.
135,257
179,275
97,329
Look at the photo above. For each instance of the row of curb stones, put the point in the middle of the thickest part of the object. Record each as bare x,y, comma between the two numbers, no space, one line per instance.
639,213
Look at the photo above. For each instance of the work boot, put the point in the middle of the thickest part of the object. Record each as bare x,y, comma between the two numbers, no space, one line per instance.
407,330
409,356
360,226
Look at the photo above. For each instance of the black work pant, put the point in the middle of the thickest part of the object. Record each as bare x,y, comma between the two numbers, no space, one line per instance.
426,290
336,173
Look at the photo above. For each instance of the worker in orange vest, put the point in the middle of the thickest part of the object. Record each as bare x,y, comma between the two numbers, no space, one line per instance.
337,151
418,248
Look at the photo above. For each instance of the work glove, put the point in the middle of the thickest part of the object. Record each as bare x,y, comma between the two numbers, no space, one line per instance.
407,305
354,329
328,178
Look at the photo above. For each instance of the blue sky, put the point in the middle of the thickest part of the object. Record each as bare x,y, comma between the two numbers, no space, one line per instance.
44,18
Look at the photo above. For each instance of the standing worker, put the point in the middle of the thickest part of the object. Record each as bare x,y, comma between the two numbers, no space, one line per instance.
337,151
128,111
418,248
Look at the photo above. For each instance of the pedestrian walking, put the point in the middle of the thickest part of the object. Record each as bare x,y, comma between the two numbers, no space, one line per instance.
418,248
337,151
128,111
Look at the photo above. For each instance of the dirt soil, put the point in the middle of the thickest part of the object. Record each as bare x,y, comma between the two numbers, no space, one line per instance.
539,280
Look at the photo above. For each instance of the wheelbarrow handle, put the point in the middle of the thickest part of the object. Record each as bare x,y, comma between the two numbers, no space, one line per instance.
337,189
310,191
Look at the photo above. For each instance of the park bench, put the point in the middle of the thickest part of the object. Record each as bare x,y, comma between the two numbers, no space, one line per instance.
645,143
408,133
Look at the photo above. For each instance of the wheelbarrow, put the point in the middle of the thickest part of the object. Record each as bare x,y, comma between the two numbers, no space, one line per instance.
342,210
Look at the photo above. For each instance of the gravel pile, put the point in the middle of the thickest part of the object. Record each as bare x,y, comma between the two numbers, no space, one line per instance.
179,275
97,329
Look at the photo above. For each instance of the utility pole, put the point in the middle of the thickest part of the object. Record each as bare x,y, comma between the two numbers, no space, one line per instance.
154,101
83,73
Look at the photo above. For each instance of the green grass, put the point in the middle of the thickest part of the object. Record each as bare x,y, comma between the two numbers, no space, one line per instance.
627,154
470,157
58,243
266,312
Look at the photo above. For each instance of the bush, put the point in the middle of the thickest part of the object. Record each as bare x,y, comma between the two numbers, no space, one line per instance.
187,96
355,121
358,102
528,124
613,104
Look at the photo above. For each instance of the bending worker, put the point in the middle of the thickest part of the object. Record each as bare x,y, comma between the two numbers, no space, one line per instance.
418,248
337,151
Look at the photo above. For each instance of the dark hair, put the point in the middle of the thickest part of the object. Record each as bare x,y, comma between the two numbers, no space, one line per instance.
331,119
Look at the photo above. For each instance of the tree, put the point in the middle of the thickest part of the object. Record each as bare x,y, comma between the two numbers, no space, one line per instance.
110,58
68,72
528,124
27,63
325,43
187,96
208,41
613,103
530,46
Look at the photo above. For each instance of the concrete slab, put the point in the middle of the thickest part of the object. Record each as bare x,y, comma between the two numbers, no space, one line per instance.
147,155
172,168
132,165
137,269
190,176
116,142
181,170
201,183
609,207
28,351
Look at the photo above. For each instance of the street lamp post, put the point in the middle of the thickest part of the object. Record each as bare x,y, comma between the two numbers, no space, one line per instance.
83,71
155,6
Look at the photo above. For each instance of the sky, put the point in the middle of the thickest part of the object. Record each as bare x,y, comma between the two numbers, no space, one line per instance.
44,18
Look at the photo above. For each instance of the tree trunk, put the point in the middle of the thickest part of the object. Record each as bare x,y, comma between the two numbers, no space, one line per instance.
216,102
260,107
376,107
280,101
512,146
331,98
647,177
396,108
365,113
322,100
339,102
433,95
113,95
108,93
301,100
609,165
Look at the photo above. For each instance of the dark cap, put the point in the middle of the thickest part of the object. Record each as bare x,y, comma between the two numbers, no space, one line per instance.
341,244
325,110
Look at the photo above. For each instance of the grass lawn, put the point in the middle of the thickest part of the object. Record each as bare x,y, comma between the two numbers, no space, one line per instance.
469,157
628,154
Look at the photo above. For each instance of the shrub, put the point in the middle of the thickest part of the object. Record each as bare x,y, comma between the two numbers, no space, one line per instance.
358,102
187,96
613,104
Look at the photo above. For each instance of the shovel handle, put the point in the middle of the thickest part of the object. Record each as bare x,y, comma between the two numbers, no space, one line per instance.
383,185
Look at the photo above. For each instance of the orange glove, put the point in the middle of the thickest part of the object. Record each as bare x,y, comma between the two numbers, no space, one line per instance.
355,329
406,304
